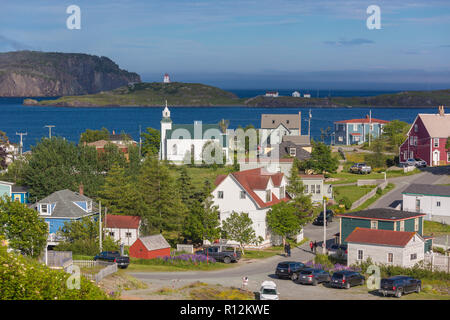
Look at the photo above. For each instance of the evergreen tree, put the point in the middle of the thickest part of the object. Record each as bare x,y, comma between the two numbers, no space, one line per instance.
321,158
184,183
151,142
164,208
296,190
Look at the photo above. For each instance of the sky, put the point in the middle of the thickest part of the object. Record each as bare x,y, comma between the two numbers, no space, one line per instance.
247,44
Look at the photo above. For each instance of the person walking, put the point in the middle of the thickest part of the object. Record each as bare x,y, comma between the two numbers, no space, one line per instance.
315,246
311,245
288,249
285,249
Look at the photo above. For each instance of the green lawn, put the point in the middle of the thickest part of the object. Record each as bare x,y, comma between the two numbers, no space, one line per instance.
200,174
347,177
353,192
388,188
136,267
438,229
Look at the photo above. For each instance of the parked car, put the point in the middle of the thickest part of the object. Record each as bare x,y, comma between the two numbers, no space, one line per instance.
268,291
224,253
399,285
417,162
113,256
319,219
346,279
361,168
333,250
289,269
312,276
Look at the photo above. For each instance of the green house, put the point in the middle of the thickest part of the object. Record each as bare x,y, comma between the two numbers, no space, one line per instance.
382,219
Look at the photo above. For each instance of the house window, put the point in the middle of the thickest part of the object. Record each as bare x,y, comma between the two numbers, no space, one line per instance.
220,194
111,234
282,192
355,127
340,139
360,255
317,188
395,225
413,256
89,206
242,195
292,152
174,149
416,224
44,209
373,224
128,234
287,121
411,140
390,257
448,156
313,188
356,138
268,195
273,121
438,204
416,128
306,188
415,140
402,225
436,142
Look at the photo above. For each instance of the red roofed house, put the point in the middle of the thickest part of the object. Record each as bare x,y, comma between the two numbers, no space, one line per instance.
150,247
123,228
355,131
400,248
427,139
254,192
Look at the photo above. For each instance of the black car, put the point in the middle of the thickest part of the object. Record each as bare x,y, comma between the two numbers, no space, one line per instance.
319,220
312,276
399,285
113,256
346,279
289,269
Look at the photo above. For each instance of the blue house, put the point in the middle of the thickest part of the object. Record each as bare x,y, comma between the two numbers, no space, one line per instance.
356,131
64,206
15,192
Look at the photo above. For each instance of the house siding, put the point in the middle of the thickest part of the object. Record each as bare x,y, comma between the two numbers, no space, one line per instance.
428,206
138,250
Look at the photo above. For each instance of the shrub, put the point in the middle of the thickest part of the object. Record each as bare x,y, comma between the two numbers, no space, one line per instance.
379,191
179,260
346,202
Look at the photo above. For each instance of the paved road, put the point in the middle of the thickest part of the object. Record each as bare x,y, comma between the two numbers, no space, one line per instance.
437,175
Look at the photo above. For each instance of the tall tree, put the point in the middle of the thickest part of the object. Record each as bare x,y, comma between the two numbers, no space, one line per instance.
283,220
377,159
22,227
202,223
3,156
395,133
165,209
238,227
94,135
184,183
300,200
4,141
321,158
151,140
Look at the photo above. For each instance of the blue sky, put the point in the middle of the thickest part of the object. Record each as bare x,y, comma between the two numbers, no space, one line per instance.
248,43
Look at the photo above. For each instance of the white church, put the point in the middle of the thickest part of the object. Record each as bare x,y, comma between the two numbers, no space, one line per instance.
182,143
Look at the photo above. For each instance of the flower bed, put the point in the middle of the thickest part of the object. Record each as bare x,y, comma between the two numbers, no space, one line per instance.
178,260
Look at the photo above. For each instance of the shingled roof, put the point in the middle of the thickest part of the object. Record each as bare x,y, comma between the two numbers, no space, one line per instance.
380,237
122,222
272,121
438,126
155,242
428,189
381,214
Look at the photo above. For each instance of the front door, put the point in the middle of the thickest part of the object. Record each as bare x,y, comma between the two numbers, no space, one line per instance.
417,205
436,157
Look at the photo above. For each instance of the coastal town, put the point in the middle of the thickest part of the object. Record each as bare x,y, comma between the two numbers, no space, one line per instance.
243,208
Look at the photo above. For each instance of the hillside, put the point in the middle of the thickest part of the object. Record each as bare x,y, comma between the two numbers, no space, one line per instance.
150,94
45,74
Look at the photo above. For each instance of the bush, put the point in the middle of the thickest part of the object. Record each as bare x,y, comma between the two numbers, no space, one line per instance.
379,191
179,260
346,202
23,278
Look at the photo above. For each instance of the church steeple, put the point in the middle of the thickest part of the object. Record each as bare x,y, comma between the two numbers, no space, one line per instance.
166,114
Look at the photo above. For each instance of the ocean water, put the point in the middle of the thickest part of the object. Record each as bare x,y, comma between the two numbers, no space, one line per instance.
71,122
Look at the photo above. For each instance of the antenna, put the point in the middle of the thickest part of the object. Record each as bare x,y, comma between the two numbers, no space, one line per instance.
21,134
49,130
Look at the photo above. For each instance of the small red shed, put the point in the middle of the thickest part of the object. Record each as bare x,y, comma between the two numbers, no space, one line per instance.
150,247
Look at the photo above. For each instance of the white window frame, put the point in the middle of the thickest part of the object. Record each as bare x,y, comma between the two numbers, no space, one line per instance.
268,195
220,194
374,224
111,233
355,127
438,203
402,225
413,255
128,235
416,224
292,154
313,189
317,188
358,254
242,194
390,255
306,188
89,206
416,128
47,207
436,142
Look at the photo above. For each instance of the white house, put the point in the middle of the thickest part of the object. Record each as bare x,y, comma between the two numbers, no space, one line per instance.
307,95
296,94
124,229
166,78
433,200
272,94
254,192
388,247
275,126
182,142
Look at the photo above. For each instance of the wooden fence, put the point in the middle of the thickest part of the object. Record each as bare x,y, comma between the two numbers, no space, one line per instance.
366,197
189,248
58,258
437,262
108,268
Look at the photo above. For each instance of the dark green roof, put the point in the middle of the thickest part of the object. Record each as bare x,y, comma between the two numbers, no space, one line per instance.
204,127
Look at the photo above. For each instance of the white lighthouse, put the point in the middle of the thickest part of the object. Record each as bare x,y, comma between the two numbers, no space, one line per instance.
166,78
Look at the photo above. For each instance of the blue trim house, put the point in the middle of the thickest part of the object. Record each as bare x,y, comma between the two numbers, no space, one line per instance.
355,131
64,206
15,192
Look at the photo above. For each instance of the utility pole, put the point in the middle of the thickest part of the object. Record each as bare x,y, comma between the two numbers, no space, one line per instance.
49,130
100,229
324,247
309,124
140,143
21,134
370,124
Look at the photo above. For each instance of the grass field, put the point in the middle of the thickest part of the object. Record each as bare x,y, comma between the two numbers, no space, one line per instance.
347,177
353,192
388,188
438,229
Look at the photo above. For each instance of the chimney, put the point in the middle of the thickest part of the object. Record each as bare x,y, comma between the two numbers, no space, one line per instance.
81,189
441,111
